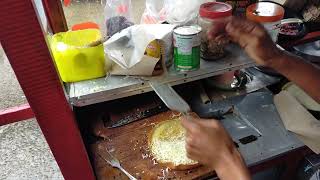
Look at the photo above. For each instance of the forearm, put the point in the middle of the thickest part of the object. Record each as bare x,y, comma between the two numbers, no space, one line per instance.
232,167
304,74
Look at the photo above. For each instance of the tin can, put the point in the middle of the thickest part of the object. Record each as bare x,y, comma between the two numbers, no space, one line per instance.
187,40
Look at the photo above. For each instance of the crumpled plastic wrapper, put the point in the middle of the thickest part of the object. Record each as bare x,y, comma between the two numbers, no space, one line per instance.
143,68
179,12
127,48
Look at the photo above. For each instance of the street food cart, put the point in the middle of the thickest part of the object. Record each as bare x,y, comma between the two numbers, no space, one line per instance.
117,112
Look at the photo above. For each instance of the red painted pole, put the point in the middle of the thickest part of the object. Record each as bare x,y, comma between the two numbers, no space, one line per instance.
24,44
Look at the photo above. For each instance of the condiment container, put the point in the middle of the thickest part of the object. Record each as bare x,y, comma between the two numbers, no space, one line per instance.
186,40
75,61
209,14
268,14
161,49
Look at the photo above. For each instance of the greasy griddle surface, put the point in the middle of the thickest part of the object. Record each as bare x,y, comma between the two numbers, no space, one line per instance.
129,144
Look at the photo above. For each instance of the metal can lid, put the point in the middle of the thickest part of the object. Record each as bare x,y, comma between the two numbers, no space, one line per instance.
188,30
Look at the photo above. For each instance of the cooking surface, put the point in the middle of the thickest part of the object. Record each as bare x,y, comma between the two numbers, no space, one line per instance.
255,126
129,144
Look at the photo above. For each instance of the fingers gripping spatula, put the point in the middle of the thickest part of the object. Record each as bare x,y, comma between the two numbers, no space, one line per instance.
170,97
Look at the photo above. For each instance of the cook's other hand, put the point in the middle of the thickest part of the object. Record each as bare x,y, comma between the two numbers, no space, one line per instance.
252,37
259,46
210,144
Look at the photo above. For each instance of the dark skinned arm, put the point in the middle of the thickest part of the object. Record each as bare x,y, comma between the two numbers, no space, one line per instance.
253,38
209,143
304,74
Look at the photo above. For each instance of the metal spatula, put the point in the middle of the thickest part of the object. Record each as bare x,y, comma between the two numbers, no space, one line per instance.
107,156
170,97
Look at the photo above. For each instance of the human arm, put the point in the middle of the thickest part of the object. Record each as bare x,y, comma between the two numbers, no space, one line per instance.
258,45
304,74
209,143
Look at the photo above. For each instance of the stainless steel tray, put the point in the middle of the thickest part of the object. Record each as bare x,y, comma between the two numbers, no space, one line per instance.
114,87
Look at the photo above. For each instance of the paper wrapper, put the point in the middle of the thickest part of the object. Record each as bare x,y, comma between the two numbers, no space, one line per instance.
143,68
127,48
298,120
302,97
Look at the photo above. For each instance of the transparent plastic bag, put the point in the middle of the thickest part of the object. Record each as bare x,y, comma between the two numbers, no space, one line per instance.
156,11
180,12
185,12
118,15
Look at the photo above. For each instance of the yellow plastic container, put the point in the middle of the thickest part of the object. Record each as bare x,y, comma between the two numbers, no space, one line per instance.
74,61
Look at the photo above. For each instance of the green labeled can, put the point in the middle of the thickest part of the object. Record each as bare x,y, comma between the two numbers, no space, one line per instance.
187,41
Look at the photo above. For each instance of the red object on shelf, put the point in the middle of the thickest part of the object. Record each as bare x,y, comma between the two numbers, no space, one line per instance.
263,12
214,10
85,25
55,15
24,43
66,2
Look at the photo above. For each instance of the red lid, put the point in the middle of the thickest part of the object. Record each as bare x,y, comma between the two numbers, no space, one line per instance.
265,12
85,25
213,10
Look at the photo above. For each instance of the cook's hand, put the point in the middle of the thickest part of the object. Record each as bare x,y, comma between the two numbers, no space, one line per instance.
209,143
250,36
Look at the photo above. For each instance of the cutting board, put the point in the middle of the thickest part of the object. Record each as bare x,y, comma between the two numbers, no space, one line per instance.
129,144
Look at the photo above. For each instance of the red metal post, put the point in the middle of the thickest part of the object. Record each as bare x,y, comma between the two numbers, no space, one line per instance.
15,114
24,44
55,15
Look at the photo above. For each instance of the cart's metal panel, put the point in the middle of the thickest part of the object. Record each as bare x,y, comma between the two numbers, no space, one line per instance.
259,110
114,87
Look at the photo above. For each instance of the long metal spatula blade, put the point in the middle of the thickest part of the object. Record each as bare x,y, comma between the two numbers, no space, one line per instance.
170,97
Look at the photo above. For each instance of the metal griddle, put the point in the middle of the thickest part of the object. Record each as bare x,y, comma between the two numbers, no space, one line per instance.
262,139
272,139
249,116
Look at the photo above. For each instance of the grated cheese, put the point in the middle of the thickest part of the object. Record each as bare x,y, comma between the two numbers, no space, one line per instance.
168,144
171,151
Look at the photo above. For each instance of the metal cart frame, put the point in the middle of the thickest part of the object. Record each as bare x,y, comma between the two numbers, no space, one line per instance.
25,45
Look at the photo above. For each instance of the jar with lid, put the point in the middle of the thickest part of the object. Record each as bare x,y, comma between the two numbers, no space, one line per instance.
269,14
209,14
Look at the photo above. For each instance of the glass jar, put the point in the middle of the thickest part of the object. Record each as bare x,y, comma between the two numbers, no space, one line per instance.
268,14
209,13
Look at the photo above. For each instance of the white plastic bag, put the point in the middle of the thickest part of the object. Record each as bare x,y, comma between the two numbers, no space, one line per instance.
118,15
179,12
185,12
127,48
156,11
118,8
